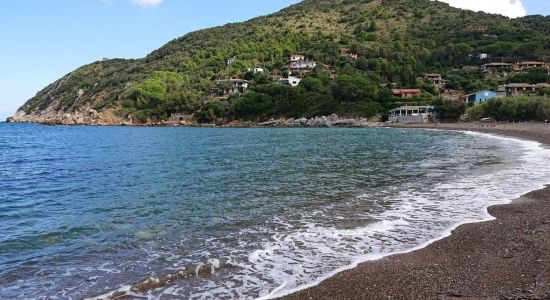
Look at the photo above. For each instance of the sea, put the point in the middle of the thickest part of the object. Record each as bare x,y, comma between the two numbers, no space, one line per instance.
221,213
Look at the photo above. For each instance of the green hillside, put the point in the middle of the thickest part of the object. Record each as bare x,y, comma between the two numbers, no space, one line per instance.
396,41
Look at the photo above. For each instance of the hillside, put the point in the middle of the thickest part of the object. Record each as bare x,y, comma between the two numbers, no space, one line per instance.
396,42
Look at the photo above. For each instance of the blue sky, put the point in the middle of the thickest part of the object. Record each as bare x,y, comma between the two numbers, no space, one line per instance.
537,7
41,40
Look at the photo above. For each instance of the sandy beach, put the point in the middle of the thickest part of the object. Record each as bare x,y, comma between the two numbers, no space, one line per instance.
507,258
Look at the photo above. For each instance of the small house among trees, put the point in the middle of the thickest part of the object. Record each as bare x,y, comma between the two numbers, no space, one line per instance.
478,97
297,57
290,80
231,60
436,79
495,66
406,93
299,62
526,65
230,86
345,52
520,88
477,28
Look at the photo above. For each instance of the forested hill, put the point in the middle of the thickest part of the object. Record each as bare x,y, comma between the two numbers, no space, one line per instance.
396,42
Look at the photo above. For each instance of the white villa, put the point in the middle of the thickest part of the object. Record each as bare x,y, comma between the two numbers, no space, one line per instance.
292,81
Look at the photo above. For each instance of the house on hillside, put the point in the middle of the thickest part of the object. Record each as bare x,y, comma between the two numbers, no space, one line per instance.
302,64
524,88
231,60
501,92
477,28
526,65
479,56
412,114
226,87
256,70
479,97
299,62
297,57
345,52
436,79
495,66
406,93
292,81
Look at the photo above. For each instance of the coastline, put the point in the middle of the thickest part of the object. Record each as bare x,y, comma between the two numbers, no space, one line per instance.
111,120
504,258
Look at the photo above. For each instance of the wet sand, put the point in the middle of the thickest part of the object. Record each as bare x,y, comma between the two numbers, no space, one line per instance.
507,258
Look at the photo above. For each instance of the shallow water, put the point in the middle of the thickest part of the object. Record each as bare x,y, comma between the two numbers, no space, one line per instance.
234,213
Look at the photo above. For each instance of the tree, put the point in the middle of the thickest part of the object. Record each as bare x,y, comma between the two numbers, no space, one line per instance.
353,88
534,75
150,93
372,26
448,110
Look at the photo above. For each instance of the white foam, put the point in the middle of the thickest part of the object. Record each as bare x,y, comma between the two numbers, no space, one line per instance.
499,187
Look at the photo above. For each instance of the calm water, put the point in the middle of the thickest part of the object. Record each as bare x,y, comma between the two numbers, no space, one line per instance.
234,213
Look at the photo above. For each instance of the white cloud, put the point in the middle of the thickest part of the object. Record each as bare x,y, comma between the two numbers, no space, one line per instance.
509,8
147,3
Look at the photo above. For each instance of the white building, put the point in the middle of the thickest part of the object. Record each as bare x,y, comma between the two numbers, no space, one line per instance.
297,57
231,60
479,56
413,114
256,70
292,81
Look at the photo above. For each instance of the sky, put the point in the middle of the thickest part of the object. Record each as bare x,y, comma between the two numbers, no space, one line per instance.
42,40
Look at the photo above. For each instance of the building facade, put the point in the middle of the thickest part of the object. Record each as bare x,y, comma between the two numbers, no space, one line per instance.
524,88
495,66
292,81
526,65
436,79
297,57
406,93
413,114
226,87
479,97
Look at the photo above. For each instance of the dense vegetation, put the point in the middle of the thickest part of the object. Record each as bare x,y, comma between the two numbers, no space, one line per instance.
397,41
514,109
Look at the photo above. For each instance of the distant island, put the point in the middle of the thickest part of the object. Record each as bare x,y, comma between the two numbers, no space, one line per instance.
357,59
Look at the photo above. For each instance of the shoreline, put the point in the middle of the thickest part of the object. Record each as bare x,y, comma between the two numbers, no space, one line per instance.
468,261
332,121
